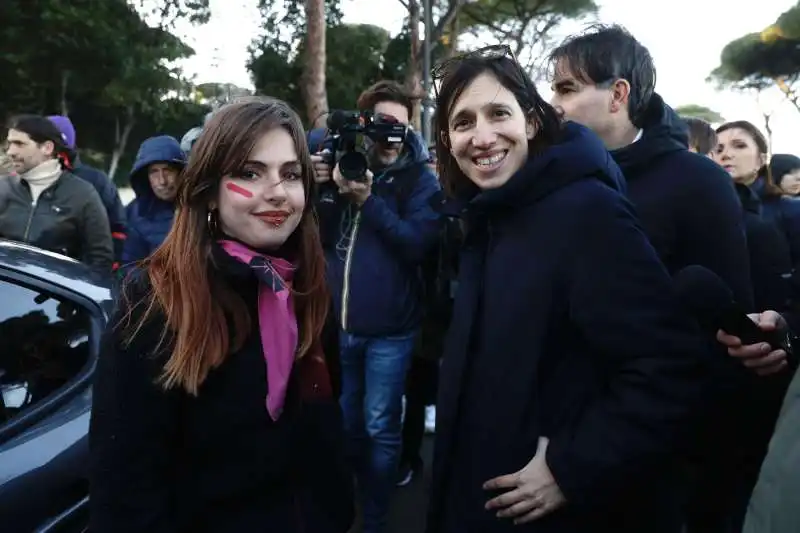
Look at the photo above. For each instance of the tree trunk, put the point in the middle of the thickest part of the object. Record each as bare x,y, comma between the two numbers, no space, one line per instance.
787,90
64,83
768,128
314,92
452,44
414,72
121,135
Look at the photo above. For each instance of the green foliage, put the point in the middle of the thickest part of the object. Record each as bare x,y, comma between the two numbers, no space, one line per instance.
283,23
165,13
527,25
274,74
504,16
789,23
107,63
358,55
355,56
396,57
701,112
758,60
752,62
218,94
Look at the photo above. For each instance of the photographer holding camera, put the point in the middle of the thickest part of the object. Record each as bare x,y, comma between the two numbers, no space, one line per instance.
377,222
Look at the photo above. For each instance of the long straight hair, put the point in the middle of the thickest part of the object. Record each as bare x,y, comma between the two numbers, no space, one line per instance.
205,319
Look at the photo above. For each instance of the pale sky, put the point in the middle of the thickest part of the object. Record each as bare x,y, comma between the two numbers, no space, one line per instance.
685,38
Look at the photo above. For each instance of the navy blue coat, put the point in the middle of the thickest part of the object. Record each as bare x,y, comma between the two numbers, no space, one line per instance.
374,254
565,326
149,218
113,203
784,212
687,203
770,255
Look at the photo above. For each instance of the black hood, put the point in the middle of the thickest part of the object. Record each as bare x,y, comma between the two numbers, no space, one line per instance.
663,132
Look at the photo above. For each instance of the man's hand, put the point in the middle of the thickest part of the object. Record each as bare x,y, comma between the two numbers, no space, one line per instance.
357,191
762,358
322,171
532,492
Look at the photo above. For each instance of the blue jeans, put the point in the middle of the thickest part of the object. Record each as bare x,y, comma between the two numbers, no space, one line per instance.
373,381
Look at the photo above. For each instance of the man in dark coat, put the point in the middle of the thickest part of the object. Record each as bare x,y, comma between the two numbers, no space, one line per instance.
44,204
605,79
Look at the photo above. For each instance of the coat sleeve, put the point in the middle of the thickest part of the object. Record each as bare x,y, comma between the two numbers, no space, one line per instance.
132,438
622,303
136,247
790,225
98,248
413,234
710,212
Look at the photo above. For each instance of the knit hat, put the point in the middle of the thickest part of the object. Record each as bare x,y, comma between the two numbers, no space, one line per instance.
66,128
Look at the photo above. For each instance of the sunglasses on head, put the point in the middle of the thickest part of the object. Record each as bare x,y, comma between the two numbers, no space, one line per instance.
494,51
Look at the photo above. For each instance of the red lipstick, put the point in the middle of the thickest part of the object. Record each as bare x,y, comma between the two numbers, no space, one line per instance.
273,218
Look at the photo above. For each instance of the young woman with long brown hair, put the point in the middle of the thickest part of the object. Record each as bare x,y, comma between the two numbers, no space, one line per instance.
212,406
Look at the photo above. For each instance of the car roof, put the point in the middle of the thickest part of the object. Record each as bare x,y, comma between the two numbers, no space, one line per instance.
58,269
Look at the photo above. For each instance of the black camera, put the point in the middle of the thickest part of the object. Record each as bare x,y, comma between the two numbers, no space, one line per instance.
349,130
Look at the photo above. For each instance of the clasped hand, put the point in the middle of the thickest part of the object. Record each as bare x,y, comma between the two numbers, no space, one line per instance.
530,493
357,191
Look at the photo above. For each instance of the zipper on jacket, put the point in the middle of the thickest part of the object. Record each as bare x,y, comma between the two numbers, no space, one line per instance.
34,203
347,262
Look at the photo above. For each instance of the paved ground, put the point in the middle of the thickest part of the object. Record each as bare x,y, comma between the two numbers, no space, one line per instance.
409,505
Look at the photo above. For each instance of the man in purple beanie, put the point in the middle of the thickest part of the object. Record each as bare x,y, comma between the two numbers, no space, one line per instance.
105,187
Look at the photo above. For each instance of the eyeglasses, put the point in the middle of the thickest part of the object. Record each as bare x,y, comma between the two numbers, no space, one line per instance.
494,51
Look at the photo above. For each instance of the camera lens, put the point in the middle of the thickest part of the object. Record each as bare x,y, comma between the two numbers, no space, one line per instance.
353,166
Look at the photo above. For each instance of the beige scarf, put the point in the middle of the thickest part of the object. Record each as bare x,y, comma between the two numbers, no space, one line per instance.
41,177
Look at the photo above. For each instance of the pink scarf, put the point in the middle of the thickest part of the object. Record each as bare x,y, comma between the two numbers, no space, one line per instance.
276,319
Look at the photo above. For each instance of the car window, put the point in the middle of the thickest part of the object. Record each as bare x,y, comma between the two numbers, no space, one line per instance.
44,342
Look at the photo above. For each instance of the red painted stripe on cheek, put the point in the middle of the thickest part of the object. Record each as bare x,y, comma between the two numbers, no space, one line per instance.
239,190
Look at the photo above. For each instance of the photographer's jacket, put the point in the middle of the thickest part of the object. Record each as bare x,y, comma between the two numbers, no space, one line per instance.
374,253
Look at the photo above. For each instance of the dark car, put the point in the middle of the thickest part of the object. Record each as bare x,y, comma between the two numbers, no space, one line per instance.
52,313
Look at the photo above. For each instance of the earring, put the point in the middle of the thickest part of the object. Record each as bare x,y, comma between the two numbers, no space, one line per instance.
211,221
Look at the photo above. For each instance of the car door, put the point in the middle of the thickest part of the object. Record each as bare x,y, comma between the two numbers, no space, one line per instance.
49,340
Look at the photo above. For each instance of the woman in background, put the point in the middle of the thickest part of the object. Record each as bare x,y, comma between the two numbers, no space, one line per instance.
742,150
785,170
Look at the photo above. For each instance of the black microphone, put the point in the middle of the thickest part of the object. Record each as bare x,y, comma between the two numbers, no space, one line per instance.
711,302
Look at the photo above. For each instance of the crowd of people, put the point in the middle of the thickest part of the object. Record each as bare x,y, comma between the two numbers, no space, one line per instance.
282,325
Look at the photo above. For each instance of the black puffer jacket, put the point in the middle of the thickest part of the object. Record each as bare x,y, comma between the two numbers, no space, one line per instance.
68,218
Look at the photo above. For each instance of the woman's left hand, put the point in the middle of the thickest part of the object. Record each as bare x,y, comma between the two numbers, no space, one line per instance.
532,492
